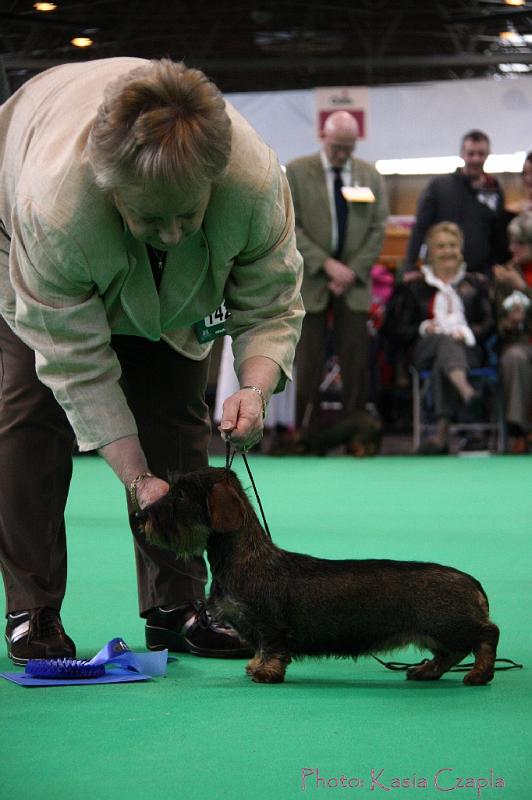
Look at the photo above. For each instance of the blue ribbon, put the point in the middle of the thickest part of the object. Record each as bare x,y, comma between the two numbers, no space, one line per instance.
117,652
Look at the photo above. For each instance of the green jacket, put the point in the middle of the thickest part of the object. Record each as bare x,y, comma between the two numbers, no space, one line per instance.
71,275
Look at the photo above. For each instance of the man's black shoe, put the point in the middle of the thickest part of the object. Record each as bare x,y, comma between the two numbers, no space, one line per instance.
193,630
37,633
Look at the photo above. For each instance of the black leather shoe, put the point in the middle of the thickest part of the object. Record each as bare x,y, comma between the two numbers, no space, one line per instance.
431,447
193,630
37,633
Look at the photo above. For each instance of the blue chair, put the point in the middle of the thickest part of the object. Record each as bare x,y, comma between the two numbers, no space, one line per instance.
482,378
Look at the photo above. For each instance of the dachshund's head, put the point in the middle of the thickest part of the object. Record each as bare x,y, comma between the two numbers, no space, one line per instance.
197,504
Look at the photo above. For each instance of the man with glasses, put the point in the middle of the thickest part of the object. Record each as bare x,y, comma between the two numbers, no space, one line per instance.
340,211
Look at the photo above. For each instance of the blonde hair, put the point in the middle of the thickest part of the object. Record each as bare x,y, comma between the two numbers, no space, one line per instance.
162,121
444,227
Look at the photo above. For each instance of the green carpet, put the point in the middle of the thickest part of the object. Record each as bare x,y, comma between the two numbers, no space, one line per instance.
206,732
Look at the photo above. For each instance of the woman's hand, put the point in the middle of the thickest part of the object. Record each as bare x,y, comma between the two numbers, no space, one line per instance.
431,328
242,419
244,411
150,489
127,459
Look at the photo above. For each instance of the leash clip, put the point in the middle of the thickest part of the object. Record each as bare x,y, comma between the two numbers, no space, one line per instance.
229,452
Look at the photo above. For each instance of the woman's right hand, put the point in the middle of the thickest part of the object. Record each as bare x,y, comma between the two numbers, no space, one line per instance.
126,458
150,489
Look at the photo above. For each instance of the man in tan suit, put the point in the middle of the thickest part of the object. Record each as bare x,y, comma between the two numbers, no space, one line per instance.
133,201
340,238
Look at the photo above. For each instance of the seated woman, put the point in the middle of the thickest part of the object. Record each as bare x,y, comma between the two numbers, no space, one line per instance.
513,295
441,315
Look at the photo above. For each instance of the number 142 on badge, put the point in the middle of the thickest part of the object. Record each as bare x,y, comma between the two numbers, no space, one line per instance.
213,325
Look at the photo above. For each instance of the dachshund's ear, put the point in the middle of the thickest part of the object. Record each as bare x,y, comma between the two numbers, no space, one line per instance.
226,509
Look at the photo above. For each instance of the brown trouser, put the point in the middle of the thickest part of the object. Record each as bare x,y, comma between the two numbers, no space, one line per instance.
166,393
350,344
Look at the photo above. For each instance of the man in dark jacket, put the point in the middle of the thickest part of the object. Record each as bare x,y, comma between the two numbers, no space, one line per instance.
473,200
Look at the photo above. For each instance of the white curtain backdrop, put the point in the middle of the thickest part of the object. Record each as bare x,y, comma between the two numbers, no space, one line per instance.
405,121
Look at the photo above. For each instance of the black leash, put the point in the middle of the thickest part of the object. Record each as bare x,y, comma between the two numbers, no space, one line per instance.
229,456
398,666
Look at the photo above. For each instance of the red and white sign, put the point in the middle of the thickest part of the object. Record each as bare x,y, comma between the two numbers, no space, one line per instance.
342,98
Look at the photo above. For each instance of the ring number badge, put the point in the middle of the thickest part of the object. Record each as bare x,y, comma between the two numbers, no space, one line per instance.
213,325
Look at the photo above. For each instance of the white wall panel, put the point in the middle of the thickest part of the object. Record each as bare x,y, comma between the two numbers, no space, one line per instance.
406,121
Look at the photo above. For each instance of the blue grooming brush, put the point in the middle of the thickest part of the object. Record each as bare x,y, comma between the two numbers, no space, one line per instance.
63,668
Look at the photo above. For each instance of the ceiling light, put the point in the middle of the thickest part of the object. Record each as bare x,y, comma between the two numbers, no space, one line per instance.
439,165
505,162
514,2
511,37
514,39
81,41
44,6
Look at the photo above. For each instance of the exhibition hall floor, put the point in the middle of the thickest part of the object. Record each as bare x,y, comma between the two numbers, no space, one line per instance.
335,728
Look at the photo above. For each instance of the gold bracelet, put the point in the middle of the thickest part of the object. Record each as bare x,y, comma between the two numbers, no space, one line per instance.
260,393
132,488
